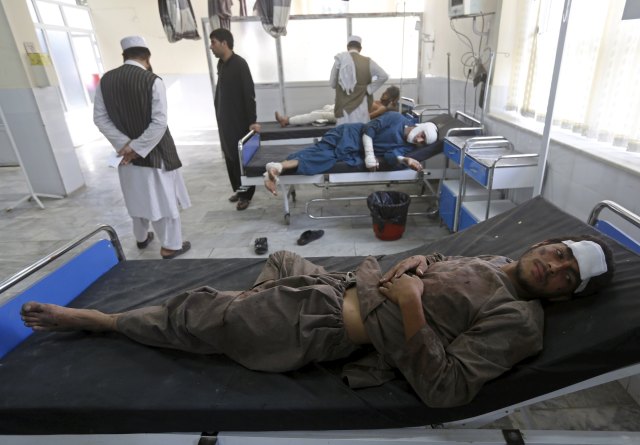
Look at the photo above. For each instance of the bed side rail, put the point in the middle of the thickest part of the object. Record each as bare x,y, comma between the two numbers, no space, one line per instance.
612,230
464,125
424,111
247,147
464,117
482,142
60,286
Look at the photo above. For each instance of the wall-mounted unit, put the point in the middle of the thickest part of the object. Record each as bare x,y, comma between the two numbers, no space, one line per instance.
464,8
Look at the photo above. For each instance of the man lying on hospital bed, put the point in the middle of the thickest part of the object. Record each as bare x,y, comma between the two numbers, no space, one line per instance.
388,137
387,102
448,324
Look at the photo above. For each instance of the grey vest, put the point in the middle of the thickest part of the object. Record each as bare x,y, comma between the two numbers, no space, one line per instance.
350,102
127,94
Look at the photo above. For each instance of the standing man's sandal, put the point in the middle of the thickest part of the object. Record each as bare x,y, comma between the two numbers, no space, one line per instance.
234,198
242,204
176,253
145,243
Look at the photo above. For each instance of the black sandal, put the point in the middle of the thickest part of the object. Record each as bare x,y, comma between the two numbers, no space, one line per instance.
261,246
309,235
145,243
186,245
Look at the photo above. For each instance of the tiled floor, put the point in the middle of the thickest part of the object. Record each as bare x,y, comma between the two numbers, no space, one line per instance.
217,229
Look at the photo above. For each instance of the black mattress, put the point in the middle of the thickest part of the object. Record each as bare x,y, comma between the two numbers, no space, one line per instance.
55,383
277,153
271,131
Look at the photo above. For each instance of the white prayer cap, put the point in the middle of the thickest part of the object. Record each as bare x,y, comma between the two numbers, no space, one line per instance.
133,41
430,132
356,39
590,258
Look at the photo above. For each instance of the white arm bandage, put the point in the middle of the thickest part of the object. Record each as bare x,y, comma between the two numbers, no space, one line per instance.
369,158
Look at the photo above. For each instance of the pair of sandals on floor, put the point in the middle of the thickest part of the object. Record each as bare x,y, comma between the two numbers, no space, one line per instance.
261,245
274,169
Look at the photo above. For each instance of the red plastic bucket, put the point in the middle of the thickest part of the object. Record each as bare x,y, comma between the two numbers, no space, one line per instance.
388,232
389,211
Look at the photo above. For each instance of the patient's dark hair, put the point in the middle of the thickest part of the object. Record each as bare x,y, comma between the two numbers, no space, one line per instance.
600,281
136,52
222,35
394,93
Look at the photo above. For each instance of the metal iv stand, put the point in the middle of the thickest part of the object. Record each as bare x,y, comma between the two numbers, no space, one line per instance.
32,194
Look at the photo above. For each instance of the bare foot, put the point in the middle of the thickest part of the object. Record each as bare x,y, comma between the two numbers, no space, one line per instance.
413,164
283,120
51,317
271,180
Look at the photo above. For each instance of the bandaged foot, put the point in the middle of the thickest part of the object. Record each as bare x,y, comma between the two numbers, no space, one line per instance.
282,120
271,176
412,164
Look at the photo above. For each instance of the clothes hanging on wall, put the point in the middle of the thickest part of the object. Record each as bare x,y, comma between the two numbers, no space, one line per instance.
220,13
274,15
178,20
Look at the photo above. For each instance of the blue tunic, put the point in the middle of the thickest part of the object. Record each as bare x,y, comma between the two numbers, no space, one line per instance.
344,144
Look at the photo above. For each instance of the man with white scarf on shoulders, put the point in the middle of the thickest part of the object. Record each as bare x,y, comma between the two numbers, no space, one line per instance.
130,110
355,78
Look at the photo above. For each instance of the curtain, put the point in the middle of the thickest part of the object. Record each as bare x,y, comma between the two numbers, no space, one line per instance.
220,13
178,20
597,95
274,15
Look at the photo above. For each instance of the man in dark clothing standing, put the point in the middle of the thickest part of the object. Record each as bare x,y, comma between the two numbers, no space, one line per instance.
235,103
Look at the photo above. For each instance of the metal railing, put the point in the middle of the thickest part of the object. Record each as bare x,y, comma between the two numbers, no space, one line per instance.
15,279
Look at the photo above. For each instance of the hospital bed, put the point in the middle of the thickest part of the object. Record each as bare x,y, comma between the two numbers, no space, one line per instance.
275,143
273,131
80,383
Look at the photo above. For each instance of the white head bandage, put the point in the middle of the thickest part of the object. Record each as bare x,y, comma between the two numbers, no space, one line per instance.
133,41
590,258
430,133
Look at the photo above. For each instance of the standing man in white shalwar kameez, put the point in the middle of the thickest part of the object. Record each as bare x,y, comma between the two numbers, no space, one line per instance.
355,78
130,110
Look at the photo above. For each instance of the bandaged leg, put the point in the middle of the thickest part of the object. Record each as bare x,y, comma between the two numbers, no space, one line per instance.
271,174
316,115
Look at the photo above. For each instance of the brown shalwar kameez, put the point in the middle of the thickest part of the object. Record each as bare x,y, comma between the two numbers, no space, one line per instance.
292,316
476,329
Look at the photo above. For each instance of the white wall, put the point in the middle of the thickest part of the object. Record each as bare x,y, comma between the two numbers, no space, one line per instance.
115,19
34,115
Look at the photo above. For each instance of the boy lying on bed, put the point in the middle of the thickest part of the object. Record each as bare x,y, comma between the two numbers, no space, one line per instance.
448,324
390,136
388,102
